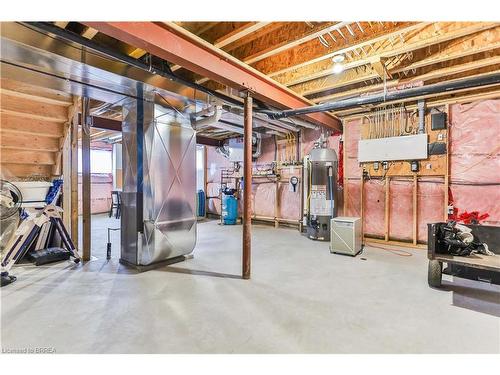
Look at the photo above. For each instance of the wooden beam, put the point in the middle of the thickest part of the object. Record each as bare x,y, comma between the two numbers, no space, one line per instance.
291,42
89,33
171,42
239,33
9,156
28,142
27,170
73,177
321,66
387,208
137,53
61,24
18,124
314,52
378,66
484,41
31,109
415,208
36,93
351,77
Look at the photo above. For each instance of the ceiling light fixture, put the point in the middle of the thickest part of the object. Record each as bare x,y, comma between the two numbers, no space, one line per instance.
337,63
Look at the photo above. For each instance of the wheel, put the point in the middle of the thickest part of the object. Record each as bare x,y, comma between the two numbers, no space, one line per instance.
435,273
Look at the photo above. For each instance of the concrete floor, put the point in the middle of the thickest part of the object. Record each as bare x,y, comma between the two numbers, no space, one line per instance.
301,299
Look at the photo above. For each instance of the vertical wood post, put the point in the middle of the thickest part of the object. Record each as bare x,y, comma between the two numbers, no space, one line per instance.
74,174
247,187
415,208
387,207
447,164
277,204
86,208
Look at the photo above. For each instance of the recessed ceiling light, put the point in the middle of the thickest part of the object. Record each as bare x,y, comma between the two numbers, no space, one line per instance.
337,68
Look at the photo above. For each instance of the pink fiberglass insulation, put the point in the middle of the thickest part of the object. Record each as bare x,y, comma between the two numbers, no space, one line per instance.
267,151
484,199
430,205
289,203
353,198
474,160
401,210
263,199
374,207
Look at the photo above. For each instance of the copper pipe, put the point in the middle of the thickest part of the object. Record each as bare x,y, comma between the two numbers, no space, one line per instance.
247,187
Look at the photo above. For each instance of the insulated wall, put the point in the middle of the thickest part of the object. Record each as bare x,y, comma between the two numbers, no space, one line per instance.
474,158
474,149
264,190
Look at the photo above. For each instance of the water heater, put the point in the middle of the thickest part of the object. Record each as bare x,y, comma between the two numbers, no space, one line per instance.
320,177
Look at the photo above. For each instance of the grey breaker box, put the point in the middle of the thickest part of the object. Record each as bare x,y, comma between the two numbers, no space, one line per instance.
345,235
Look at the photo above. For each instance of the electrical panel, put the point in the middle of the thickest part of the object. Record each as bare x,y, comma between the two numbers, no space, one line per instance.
409,147
394,143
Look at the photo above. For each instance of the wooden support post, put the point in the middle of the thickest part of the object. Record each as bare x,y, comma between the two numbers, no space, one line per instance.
74,175
66,167
386,207
86,183
415,208
344,160
362,208
447,165
277,205
247,187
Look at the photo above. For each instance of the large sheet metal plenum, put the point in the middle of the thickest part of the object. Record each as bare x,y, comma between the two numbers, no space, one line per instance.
159,185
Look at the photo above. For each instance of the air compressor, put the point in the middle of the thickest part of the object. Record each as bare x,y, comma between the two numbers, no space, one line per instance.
320,186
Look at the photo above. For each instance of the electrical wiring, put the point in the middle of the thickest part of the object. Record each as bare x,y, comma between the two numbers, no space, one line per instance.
398,252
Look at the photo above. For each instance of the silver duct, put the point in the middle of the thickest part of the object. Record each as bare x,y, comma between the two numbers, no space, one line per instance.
159,185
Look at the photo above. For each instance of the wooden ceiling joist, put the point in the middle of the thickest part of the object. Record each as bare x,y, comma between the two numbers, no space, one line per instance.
239,33
172,43
318,84
313,51
89,33
433,74
291,41
322,66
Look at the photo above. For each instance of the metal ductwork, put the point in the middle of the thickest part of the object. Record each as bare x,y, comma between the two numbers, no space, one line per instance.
159,186
208,121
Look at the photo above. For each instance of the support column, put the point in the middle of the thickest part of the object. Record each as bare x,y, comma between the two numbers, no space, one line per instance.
247,187
74,175
86,207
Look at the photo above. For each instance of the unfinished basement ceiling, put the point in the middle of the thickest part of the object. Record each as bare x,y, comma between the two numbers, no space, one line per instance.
374,56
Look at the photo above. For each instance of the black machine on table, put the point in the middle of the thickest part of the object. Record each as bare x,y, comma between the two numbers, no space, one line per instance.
463,260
